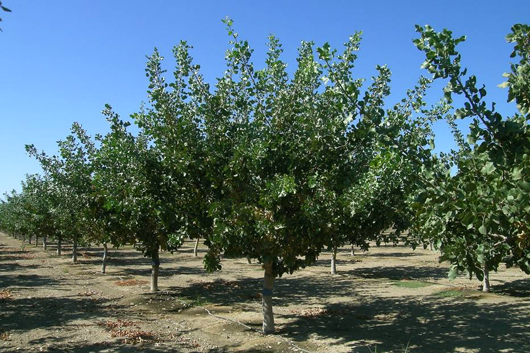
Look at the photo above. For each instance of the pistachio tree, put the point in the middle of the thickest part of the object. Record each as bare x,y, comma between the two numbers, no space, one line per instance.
133,187
41,204
105,225
31,212
71,175
291,159
173,122
473,203
13,218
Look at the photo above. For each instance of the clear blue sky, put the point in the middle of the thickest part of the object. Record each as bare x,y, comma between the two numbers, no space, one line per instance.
61,61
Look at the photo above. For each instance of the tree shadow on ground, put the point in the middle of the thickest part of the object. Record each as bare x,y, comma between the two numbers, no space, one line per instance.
405,252
344,257
399,272
340,262
390,254
12,267
221,292
519,288
114,345
299,291
423,323
287,291
11,256
8,280
431,325
166,270
133,263
43,312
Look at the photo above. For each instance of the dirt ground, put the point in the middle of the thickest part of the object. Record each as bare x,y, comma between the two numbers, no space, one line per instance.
390,299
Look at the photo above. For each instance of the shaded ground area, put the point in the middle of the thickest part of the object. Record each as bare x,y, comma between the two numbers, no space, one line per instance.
389,299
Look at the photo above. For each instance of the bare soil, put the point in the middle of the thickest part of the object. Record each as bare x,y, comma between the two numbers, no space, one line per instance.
390,299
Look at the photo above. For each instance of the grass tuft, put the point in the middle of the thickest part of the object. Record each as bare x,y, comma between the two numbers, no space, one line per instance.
459,292
411,284
200,301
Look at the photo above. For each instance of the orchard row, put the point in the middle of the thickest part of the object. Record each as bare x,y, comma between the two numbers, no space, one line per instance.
277,167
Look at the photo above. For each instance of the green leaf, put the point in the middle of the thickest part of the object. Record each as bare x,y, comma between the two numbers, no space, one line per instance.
517,173
453,272
431,144
488,168
524,185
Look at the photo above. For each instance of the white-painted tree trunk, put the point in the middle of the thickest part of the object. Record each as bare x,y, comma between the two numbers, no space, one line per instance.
59,241
195,248
44,243
486,280
334,260
154,270
105,256
74,252
352,250
266,303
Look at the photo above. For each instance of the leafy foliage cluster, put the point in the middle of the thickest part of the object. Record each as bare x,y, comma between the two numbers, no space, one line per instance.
478,215
278,167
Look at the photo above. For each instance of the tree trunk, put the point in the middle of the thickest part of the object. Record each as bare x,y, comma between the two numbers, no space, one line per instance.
74,251
486,281
154,272
249,260
29,239
334,260
44,244
36,240
352,250
268,284
195,248
59,246
105,255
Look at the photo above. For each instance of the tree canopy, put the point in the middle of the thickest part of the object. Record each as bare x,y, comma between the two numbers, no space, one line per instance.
278,167
478,214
